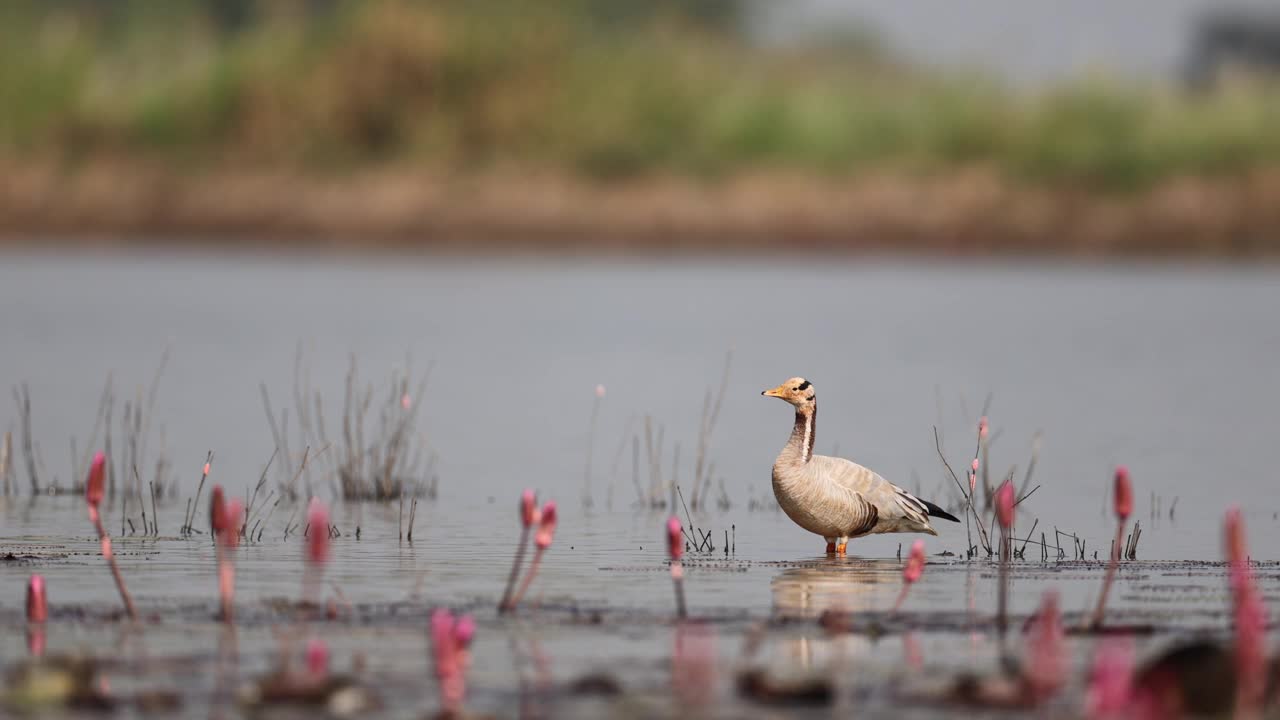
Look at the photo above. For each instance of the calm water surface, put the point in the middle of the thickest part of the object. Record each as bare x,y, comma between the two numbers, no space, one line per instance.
1172,371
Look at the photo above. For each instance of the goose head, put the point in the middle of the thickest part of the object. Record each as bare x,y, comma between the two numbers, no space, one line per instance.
797,391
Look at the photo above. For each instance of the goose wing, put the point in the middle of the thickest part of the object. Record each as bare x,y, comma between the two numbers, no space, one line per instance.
893,504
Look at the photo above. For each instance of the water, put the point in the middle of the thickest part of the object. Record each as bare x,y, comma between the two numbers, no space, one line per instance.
1170,370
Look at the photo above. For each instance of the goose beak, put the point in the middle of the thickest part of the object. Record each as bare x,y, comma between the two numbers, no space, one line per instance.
775,392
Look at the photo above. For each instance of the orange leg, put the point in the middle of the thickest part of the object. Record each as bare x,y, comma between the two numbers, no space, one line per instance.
840,548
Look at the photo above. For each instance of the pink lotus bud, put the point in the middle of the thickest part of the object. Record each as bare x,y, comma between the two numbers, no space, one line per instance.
206,468
317,658
1004,505
405,402
1124,493
318,537
915,563
1046,668
528,508
599,391
675,543
546,525
982,427
464,631
1237,546
1111,679
974,465
94,486
234,519
37,603
217,511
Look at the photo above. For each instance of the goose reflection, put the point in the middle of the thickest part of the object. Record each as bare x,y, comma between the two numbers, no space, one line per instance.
806,591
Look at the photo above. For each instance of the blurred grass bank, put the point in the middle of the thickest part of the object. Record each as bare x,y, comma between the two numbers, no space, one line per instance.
592,124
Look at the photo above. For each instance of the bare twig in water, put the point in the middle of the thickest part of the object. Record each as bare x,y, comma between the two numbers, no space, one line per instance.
710,414
587,500
1024,497
6,451
155,517
413,511
195,504
982,531
23,400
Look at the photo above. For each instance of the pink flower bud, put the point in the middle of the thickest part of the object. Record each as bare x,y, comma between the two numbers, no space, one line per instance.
206,468
599,391
318,537
982,427
974,465
464,631
217,511
915,563
317,658
675,543
1004,505
233,517
94,486
546,525
406,402
528,508
1124,493
37,603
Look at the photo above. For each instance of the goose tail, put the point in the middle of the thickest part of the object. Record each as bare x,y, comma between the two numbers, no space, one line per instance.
935,511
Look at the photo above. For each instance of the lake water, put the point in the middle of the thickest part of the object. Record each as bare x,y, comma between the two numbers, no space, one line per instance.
1171,370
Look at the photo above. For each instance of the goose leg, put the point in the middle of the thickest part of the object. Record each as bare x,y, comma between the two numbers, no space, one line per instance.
840,546
831,545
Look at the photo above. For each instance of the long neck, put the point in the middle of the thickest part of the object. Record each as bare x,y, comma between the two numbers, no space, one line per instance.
802,435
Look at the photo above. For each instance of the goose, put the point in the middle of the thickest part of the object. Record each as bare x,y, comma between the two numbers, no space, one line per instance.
837,498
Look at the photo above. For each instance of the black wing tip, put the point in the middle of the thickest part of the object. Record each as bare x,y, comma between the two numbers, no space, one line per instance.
935,511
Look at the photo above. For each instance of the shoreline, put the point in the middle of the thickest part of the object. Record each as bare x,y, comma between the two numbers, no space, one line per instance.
962,213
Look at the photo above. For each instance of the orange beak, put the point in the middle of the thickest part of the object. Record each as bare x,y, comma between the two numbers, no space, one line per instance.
775,392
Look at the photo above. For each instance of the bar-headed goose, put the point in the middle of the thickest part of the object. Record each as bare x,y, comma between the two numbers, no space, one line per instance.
833,497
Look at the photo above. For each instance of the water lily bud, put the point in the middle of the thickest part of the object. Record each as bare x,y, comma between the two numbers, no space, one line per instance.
94,485
318,539
217,511
546,525
528,508
1004,505
675,543
915,563
37,603
1124,493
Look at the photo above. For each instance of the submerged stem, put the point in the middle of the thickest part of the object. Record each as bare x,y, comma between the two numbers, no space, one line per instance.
1095,621
506,605
677,579
528,579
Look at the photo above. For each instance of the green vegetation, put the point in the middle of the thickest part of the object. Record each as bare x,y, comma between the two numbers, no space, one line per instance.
585,87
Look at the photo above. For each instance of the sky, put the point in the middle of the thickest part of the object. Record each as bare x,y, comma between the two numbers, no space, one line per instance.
1024,42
